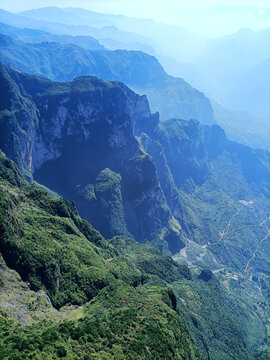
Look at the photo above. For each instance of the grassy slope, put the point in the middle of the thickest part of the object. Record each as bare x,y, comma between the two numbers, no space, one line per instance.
130,294
45,240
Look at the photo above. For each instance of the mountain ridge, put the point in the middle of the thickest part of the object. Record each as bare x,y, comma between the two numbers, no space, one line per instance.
172,97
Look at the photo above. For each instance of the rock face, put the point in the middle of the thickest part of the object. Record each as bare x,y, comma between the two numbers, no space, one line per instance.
217,190
82,132
171,182
172,97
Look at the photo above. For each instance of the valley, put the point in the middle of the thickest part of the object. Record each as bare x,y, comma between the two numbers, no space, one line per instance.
134,200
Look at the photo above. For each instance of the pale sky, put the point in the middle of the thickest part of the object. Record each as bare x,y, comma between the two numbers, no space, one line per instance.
254,14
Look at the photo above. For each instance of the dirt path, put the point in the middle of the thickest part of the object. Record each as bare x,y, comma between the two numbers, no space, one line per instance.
247,268
225,230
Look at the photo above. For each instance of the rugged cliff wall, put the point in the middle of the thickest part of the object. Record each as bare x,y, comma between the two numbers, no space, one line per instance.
175,181
82,133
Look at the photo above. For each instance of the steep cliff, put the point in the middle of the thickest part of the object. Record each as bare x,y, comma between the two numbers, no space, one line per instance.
173,182
218,191
82,133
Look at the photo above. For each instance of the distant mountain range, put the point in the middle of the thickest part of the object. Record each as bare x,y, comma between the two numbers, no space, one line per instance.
183,186
36,36
77,30
243,57
172,97
167,256
188,44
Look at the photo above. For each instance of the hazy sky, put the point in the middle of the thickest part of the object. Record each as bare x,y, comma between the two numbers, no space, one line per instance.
129,7
221,16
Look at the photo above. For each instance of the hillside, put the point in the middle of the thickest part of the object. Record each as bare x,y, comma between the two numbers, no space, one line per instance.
183,186
103,294
54,250
83,133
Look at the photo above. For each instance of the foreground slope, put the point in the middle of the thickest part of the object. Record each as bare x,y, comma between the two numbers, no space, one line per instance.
54,250
118,300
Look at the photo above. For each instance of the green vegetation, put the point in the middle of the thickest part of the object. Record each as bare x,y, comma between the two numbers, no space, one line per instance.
119,298
51,247
120,323
44,239
133,301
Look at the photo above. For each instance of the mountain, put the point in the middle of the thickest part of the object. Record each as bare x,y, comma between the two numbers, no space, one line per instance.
188,43
172,97
200,165
102,116
119,188
244,60
255,98
74,30
66,290
112,44
243,127
233,71
37,36
238,55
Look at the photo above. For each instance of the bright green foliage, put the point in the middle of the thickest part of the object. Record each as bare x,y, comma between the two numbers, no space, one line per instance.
137,303
208,310
150,260
44,239
120,323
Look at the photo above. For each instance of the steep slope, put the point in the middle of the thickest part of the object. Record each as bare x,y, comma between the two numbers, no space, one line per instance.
199,167
82,132
55,251
172,97
145,296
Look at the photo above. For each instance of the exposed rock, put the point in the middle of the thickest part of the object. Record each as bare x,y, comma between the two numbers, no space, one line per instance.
77,130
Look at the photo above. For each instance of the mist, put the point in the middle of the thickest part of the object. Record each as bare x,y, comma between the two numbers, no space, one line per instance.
135,179
210,18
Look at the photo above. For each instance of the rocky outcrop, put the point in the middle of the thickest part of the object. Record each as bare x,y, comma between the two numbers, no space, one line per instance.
82,133
128,173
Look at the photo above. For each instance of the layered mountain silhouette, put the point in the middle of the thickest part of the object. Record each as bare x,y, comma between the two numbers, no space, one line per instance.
173,97
130,225
128,172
